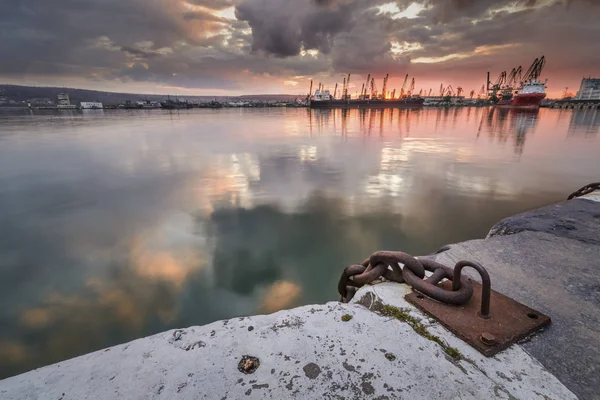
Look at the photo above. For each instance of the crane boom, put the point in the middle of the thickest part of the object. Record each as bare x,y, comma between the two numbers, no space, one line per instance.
514,77
411,87
535,70
384,89
498,84
373,89
346,87
366,85
335,90
403,88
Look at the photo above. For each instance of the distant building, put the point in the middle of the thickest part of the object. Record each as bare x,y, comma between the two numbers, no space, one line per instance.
64,102
91,105
589,90
41,102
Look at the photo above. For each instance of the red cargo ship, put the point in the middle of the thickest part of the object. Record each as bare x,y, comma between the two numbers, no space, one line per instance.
530,95
530,90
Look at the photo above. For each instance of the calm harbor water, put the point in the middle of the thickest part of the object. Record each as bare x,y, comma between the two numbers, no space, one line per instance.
117,225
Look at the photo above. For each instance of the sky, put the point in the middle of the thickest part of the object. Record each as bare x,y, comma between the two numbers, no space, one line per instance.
234,47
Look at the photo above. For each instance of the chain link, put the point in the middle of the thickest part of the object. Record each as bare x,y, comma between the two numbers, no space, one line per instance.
587,189
386,264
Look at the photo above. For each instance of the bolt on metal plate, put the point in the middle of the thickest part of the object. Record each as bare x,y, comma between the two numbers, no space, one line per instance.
509,322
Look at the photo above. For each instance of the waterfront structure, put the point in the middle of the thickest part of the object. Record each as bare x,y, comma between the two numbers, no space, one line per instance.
433,101
91,105
64,102
589,89
41,102
370,96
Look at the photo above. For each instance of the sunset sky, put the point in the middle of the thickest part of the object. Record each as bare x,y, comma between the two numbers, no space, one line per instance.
230,47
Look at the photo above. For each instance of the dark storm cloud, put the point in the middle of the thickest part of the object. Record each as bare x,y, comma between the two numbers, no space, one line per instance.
353,34
138,52
561,31
190,43
282,27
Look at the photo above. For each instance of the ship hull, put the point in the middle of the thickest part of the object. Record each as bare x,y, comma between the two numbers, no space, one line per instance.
403,103
526,101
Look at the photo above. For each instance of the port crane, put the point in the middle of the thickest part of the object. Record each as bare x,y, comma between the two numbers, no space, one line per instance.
365,86
429,94
493,89
514,78
535,70
472,94
459,91
384,89
373,89
403,88
442,90
345,87
449,90
411,87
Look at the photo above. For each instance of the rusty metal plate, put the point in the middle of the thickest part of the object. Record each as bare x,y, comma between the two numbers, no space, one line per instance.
510,320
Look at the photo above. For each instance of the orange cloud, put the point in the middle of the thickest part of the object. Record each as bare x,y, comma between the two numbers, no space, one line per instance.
280,295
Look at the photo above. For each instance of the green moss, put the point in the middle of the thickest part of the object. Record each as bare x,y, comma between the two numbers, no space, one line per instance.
346,317
403,315
453,352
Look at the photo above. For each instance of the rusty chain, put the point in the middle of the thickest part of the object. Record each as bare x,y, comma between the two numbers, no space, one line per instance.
587,189
386,264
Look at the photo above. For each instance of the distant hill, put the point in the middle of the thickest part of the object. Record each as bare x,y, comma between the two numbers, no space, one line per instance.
21,94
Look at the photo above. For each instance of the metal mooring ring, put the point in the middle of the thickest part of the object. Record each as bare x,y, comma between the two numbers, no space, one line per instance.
486,284
429,286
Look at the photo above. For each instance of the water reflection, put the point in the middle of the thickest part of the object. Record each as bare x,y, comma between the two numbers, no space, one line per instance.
504,123
585,121
117,225
372,122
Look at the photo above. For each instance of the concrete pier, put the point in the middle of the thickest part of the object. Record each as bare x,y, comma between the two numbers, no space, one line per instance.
548,259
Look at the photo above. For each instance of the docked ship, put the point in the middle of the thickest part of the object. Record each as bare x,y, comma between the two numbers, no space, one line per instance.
529,95
516,92
325,100
175,105
369,96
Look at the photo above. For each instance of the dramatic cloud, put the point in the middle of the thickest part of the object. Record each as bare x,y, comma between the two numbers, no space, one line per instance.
240,46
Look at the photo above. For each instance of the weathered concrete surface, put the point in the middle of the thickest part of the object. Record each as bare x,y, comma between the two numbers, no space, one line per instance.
577,219
307,353
549,259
